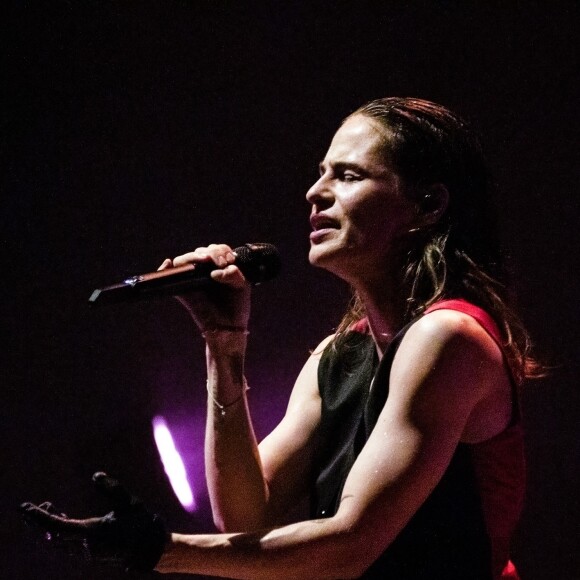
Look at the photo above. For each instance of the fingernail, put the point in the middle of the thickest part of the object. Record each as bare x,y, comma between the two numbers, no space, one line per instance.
230,258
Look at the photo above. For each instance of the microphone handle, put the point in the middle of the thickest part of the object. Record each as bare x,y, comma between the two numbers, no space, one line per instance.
163,283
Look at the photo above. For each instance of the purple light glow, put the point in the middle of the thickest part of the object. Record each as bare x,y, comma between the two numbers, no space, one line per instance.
173,464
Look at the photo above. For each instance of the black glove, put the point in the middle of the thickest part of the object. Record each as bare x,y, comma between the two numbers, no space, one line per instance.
128,536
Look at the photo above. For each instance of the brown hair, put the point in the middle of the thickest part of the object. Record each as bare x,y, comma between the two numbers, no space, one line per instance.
458,256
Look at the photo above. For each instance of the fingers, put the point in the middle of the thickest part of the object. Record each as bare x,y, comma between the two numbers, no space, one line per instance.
230,275
167,263
220,254
54,522
49,507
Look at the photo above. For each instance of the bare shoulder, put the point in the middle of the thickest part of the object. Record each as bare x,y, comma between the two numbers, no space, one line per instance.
444,347
454,332
452,324
448,360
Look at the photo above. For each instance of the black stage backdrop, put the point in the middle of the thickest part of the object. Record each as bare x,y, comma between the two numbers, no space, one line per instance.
133,131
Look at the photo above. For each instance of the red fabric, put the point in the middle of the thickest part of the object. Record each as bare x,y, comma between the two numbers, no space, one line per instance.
484,319
361,326
510,572
460,305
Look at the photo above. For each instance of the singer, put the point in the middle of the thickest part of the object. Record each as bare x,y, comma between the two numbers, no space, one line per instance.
403,428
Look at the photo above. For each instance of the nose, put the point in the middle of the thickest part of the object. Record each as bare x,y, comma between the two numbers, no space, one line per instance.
319,194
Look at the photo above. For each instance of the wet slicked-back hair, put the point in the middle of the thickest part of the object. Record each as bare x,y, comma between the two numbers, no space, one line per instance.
459,255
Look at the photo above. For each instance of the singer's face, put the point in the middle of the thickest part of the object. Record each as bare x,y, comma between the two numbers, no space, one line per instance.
359,211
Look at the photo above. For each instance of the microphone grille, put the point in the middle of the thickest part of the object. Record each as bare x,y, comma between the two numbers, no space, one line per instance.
259,262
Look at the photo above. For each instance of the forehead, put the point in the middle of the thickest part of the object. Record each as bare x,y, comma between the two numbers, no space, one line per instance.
358,139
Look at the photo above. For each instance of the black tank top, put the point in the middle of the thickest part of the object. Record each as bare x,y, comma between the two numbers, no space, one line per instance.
447,536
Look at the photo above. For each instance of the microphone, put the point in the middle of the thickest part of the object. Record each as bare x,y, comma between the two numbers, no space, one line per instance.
258,263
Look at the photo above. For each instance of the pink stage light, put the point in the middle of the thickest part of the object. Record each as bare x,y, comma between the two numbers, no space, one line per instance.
173,464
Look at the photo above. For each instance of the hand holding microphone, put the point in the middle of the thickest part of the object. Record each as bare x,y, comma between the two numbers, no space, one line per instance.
225,299
211,282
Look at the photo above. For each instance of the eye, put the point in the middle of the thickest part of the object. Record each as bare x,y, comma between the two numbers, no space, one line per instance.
350,176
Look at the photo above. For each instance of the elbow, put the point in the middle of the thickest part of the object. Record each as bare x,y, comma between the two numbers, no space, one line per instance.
352,550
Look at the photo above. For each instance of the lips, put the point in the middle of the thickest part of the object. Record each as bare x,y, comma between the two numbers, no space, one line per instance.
323,222
323,227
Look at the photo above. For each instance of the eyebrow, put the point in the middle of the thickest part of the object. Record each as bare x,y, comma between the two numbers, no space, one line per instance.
343,166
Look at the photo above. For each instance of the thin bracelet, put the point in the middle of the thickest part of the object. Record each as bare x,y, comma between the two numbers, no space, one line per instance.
221,407
225,328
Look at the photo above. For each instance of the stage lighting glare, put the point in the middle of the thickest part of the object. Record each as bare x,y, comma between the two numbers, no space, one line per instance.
173,464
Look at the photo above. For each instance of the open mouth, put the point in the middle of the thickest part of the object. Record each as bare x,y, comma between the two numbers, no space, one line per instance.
322,222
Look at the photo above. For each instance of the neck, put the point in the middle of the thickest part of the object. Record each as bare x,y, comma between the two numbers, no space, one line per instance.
385,309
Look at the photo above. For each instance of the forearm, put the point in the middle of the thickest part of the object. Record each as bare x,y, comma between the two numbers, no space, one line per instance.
237,490
317,549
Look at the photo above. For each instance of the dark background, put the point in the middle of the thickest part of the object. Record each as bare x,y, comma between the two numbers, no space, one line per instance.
133,131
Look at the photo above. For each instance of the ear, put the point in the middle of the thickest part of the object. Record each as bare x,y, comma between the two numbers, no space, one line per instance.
433,204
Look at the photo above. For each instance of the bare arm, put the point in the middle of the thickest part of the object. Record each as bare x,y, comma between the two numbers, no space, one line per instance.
252,486
249,487
445,367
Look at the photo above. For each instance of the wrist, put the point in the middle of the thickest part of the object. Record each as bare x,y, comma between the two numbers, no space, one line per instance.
217,330
223,406
225,340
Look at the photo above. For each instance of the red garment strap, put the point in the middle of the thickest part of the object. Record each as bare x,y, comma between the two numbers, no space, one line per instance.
361,326
460,305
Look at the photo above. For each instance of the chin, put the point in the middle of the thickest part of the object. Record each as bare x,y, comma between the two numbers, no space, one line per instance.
318,256
326,259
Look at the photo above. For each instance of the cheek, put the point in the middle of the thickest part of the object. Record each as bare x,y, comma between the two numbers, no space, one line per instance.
380,219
